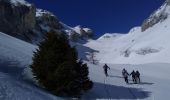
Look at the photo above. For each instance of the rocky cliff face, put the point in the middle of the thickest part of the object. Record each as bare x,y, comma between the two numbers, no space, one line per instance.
83,32
22,20
16,19
158,16
45,21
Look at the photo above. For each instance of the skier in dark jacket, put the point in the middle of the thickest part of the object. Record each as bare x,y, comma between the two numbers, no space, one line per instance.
105,67
133,76
123,71
125,75
138,76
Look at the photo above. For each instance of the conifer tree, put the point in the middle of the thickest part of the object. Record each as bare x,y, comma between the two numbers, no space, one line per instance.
55,67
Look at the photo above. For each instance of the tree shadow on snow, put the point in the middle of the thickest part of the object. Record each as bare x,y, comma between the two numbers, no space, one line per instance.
105,91
145,83
141,83
119,77
84,51
11,68
115,76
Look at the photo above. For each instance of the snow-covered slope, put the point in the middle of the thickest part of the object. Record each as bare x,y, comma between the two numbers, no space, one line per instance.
110,36
136,47
15,57
146,51
15,49
154,84
146,44
16,53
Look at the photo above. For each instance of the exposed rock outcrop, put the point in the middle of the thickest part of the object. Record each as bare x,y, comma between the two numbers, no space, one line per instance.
45,22
84,32
158,16
16,19
22,20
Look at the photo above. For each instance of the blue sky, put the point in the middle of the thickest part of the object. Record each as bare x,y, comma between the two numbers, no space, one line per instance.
113,16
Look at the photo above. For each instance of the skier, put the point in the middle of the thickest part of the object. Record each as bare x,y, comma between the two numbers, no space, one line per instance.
105,67
138,76
133,76
125,75
123,71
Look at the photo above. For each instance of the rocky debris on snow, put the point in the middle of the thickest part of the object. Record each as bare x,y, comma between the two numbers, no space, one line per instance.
158,16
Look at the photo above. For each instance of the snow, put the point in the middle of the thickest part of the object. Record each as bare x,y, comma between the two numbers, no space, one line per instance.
15,83
66,26
20,2
154,82
15,49
77,29
16,55
154,42
14,89
41,12
110,36
146,51
86,29
163,11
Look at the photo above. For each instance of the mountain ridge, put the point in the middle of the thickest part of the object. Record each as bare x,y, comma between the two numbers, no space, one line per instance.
137,46
24,21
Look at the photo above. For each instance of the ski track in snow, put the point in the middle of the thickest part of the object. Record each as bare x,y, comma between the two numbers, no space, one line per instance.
106,89
130,91
115,88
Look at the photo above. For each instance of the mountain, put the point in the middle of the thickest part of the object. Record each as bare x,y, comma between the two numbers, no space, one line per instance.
17,17
141,44
24,21
143,48
15,56
158,16
78,33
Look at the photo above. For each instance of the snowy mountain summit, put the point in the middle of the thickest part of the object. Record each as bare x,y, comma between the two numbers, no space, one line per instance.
146,44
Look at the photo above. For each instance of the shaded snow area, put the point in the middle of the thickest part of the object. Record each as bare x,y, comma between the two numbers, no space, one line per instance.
15,83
